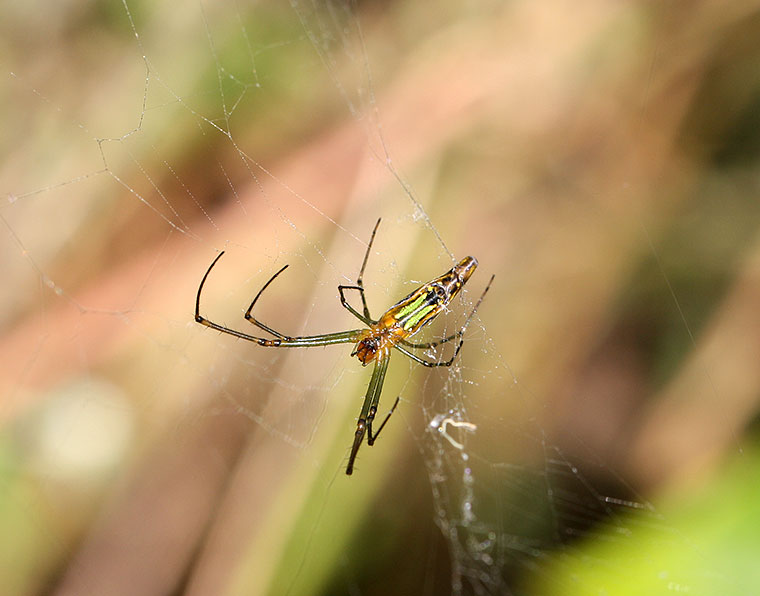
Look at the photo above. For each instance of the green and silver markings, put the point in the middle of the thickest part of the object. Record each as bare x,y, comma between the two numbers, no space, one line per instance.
409,308
372,344
411,314
424,304
417,317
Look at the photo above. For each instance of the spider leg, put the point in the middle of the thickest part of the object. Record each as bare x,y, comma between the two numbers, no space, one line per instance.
342,337
365,319
360,279
369,407
248,313
372,437
431,344
431,364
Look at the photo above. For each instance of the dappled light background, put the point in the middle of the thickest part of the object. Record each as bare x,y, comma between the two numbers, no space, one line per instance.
598,433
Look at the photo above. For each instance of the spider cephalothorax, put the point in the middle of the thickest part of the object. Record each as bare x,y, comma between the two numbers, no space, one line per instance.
366,348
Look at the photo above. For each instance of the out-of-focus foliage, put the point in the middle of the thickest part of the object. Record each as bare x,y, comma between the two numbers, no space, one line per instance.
713,548
600,158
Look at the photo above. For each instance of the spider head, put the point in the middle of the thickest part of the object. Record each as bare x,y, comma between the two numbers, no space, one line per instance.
366,348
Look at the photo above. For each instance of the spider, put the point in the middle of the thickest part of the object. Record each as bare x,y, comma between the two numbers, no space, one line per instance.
373,344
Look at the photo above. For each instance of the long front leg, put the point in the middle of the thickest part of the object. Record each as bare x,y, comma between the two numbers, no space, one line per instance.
366,317
280,340
360,279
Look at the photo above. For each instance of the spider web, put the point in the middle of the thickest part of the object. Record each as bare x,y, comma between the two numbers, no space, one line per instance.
600,373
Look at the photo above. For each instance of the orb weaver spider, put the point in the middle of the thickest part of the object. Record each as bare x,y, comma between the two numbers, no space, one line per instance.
392,330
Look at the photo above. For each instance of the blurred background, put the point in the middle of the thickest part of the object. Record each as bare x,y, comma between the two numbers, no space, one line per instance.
598,434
